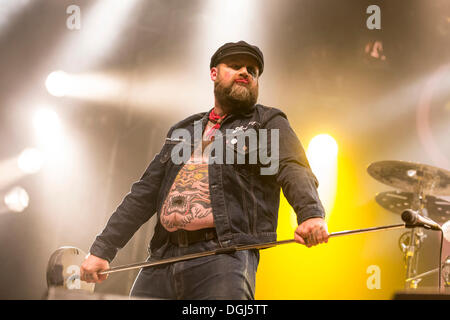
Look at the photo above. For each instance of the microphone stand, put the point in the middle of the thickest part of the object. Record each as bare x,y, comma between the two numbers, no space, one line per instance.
412,255
230,250
412,249
419,277
422,275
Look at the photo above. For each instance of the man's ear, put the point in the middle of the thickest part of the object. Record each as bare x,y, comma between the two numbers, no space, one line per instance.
213,73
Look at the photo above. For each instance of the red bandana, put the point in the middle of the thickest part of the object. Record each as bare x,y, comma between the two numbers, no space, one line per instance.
214,118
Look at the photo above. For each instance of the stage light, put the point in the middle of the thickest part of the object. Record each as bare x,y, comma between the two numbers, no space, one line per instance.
446,230
374,50
87,86
47,126
322,146
9,11
17,199
102,25
58,83
30,160
96,87
221,13
227,21
434,136
322,155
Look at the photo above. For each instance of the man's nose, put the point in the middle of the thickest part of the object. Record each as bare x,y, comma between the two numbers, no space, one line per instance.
244,72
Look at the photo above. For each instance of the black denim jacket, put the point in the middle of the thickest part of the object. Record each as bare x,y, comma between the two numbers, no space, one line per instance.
244,203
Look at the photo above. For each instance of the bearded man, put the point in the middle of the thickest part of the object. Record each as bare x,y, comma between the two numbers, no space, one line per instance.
203,205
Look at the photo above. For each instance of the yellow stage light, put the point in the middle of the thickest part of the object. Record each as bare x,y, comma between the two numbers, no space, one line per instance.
322,155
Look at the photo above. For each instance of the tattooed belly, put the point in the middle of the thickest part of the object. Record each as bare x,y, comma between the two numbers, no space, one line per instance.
188,204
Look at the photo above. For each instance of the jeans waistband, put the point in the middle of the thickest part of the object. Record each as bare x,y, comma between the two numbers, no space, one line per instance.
183,238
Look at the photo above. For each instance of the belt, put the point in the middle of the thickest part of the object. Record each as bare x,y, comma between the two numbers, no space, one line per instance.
184,238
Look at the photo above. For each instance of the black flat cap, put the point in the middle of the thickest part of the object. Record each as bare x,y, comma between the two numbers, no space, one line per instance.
234,48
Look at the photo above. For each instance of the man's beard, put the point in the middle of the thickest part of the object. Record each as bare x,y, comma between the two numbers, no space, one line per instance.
235,98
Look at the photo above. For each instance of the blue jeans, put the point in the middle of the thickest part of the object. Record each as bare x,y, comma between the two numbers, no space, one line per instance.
216,277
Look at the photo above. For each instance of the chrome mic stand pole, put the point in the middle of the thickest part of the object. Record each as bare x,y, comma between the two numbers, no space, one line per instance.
240,248
412,250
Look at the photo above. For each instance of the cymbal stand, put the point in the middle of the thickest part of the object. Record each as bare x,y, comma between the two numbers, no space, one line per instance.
410,243
411,248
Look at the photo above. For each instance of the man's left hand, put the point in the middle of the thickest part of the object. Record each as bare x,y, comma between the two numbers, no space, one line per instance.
312,232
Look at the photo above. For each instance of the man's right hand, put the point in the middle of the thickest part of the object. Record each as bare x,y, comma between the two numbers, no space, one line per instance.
89,268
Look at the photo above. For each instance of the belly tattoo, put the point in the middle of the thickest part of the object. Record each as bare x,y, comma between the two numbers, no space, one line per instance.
188,205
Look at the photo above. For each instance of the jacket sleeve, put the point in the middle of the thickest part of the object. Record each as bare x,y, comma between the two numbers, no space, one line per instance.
136,208
294,173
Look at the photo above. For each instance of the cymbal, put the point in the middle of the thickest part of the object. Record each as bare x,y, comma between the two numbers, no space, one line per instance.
412,177
397,201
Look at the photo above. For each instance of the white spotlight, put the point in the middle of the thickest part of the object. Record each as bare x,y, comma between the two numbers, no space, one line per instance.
48,126
446,230
30,160
17,199
58,83
322,155
321,147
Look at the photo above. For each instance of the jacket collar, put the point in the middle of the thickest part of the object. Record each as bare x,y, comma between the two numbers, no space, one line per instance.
244,114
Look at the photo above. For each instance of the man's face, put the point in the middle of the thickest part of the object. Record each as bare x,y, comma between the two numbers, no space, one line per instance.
236,83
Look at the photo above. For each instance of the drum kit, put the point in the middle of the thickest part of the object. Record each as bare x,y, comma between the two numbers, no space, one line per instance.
417,187
415,200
